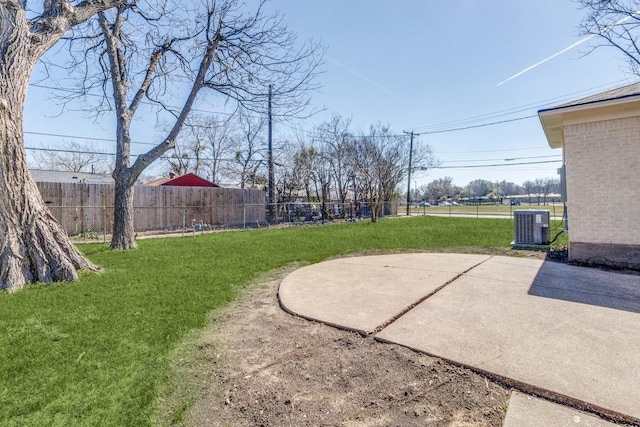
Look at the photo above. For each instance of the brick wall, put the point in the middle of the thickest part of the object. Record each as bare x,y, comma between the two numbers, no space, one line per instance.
603,181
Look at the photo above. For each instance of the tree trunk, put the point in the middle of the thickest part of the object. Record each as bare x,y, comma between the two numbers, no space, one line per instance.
33,247
123,228
373,208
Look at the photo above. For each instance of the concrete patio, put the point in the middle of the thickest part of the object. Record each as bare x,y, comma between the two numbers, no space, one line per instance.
565,333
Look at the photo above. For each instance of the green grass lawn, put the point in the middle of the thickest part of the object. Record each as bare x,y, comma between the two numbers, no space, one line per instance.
506,210
95,352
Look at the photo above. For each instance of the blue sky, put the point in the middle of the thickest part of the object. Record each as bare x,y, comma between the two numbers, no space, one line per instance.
426,66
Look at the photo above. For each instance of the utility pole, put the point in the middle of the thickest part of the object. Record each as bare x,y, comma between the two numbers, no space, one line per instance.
410,166
271,190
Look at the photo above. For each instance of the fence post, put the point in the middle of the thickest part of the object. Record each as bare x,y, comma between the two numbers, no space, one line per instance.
184,220
104,223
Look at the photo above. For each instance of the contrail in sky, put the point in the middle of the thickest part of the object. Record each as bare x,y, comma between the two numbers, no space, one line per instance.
362,77
578,43
548,58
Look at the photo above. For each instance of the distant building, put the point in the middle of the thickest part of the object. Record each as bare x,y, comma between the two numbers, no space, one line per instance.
599,138
65,177
187,180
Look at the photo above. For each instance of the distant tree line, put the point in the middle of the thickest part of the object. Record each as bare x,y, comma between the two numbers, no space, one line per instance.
442,189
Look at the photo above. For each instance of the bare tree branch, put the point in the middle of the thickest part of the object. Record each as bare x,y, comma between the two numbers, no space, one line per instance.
59,16
614,23
158,53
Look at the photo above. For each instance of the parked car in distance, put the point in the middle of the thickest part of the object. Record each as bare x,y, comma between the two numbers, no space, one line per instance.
424,204
445,204
455,203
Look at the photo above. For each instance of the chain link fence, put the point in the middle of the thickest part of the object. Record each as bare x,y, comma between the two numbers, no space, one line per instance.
95,223
299,213
479,210
86,223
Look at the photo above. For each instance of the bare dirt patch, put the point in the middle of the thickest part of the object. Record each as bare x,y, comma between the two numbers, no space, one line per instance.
256,365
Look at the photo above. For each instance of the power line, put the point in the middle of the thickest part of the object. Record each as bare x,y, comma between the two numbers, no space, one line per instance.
518,109
153,144
447,130
491,151
56,150
95,95
480,125
209,159
89,138
262,160
495,165
479,118
385,136
314,133
506,160
500,113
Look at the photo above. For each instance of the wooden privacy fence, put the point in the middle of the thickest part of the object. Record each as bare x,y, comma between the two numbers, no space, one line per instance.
83,208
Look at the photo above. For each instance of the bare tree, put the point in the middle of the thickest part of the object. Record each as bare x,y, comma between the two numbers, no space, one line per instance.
441,188
529,189
217,135
287,174
33,247
614,23
180,161
189,154
250,151
479,188
334,136
321,174
304,159
148,49
423,193
205,147
372,166
290,172
538,183
509,188
73,157
368,161
381,160
547,186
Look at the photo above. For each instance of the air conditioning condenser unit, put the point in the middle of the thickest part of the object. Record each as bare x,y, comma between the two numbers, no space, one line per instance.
531,228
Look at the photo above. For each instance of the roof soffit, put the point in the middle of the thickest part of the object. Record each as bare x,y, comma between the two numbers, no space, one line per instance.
554,120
